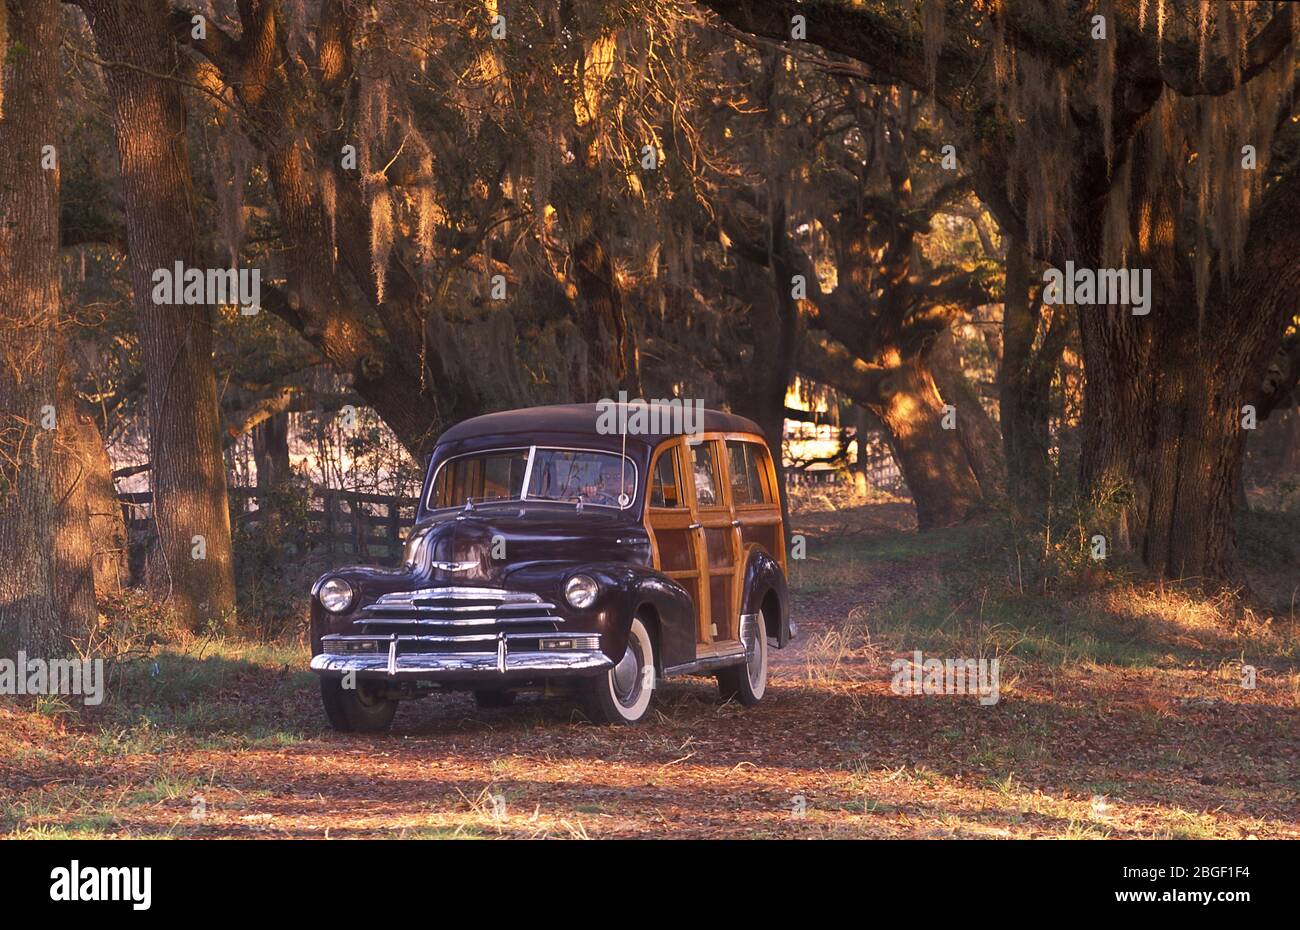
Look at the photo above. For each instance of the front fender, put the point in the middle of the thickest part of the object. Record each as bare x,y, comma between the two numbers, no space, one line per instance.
625,590
368,582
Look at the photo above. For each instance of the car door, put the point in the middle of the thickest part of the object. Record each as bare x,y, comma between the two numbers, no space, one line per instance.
755,500
713,522
670,520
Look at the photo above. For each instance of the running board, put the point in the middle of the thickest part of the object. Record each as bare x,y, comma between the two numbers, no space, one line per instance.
706,664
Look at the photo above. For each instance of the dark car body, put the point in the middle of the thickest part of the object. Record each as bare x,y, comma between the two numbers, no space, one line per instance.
481,603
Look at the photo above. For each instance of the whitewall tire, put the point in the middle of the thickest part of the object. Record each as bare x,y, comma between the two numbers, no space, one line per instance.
747,683
623,693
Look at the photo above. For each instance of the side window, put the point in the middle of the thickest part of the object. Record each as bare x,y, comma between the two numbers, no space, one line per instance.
756,466
747,462
664,492
708,481
740,490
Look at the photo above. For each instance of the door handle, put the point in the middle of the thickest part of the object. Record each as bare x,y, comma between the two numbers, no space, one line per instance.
696,526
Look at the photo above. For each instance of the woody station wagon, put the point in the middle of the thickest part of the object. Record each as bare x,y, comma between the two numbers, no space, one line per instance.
548,551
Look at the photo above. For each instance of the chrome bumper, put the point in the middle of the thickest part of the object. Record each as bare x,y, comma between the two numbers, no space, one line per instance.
498,664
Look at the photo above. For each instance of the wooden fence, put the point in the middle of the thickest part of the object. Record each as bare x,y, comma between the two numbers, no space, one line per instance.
366,527
882,470
877,464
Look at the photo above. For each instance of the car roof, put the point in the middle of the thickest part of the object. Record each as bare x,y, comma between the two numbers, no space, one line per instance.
581,420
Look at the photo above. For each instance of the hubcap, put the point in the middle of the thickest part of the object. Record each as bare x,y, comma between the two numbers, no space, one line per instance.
627,674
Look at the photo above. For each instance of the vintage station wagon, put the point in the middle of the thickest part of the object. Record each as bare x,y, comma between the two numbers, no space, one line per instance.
547,550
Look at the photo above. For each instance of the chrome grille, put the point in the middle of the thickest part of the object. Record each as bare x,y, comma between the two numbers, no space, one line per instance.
457,617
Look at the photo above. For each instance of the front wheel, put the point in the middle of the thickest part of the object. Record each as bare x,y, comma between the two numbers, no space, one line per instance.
747,683
356,710
622,694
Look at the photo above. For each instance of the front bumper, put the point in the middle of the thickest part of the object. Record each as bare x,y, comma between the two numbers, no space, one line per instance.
460,633
500,664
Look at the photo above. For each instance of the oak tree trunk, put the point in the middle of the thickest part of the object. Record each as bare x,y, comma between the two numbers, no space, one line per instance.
1163,434
30,349
603,321
979,435
932,459
864,421
191,568
1023,390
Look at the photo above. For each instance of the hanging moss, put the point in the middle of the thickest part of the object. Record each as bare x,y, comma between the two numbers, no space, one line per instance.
1041,166
1202,33
1104,87
1160,31
4,52
428,220
381,230
932,26
1116,229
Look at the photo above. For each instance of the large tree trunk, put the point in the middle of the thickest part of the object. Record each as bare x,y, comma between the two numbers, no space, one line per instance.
602,319
1024,386
30,345
1163,400
194,575
932,459
978,433
760,395
758,388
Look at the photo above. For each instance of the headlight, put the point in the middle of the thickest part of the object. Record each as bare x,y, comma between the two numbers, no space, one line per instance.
335,595
580,591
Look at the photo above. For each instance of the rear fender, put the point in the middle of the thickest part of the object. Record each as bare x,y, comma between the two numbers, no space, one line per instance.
765,580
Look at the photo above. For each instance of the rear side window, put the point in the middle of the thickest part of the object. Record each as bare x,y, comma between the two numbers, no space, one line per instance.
704,465
747,461
664,492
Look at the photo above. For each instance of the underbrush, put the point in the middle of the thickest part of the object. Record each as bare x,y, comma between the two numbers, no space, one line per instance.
815,498
957,592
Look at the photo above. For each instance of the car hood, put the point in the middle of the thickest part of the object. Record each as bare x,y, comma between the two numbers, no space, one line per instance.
483,546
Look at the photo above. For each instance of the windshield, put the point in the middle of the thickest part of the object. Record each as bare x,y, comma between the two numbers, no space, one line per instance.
602,479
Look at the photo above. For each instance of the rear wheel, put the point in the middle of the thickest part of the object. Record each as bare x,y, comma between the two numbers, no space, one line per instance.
747,683
492,698
622,694
356,710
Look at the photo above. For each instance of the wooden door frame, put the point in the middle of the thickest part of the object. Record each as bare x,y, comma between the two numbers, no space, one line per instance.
718,516
683,518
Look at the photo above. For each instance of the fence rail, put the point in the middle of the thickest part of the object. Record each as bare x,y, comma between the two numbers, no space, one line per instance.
875,463
366,526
